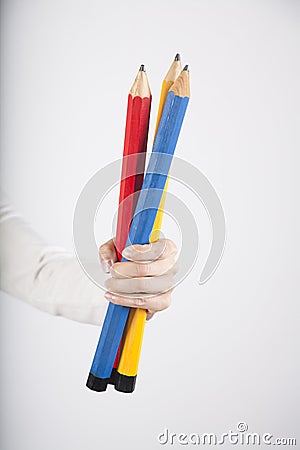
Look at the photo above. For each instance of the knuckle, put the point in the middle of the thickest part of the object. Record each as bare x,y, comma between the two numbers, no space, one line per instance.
116,300
142,270
102,249
140,284
139,301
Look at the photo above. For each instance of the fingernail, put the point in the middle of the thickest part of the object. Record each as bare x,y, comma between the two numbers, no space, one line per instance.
105,266
146,247
108,296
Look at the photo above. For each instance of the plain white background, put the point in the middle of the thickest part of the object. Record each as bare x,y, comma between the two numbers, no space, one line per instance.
226,351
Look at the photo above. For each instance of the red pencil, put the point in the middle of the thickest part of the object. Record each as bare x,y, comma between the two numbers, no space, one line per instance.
135,145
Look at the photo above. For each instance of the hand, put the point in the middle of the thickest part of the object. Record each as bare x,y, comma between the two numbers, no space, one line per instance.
146,280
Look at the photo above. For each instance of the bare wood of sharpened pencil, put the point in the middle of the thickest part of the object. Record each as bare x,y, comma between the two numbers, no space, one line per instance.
168,81
182,85
140,87
174,71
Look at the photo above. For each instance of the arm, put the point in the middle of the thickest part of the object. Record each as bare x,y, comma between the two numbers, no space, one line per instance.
46,277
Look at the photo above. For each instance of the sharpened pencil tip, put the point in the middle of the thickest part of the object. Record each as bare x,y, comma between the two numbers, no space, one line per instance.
142,68
186,67
177,57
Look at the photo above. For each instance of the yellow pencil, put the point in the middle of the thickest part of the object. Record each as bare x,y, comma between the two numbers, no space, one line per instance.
133,336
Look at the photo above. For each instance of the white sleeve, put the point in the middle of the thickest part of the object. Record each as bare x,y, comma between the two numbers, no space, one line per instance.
46,277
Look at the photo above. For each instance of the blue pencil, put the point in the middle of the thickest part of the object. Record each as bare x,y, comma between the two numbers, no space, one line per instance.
141,227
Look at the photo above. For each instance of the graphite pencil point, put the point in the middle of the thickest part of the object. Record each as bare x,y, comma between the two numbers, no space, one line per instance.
142,68
186,67
177,57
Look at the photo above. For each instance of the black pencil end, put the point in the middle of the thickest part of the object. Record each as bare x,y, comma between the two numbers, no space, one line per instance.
177,57
125,383
186,67
142,68
97,384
